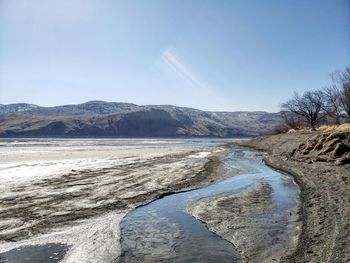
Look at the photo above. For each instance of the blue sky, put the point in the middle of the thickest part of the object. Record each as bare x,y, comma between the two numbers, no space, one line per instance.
212,55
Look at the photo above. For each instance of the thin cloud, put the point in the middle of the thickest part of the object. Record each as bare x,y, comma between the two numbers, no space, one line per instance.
182,69
186,73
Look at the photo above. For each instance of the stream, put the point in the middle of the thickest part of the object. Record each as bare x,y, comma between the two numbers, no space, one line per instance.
163,231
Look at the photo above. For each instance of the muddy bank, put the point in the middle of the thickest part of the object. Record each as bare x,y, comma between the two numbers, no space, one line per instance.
324,178
83,207
241,219
254,209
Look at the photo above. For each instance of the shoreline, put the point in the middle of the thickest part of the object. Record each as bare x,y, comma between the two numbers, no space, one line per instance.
325,198
324,210
250,220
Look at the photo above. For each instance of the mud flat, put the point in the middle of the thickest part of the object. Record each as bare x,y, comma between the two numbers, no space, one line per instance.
320,165
72,194
257,213
243,220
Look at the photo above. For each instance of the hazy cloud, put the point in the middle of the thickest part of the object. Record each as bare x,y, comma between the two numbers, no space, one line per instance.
182,69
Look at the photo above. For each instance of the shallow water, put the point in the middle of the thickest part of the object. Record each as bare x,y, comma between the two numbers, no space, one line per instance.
117,142
48,253
162,231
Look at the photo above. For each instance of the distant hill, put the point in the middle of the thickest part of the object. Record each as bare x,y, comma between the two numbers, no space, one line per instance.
112,119
16,107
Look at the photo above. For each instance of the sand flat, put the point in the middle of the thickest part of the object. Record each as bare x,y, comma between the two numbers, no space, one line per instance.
70,191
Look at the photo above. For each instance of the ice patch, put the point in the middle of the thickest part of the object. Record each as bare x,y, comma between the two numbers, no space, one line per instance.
21,173
199,155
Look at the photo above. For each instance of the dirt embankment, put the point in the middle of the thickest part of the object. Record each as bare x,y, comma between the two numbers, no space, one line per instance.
320,164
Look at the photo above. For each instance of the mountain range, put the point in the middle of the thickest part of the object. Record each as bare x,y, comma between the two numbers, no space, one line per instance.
113,119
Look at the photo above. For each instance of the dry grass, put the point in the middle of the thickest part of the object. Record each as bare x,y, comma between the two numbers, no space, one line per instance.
301,130
324,128
335,128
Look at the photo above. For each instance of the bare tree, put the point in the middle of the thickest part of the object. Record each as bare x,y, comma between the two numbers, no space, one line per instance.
332,102
309,106
346,100
291,120
342,80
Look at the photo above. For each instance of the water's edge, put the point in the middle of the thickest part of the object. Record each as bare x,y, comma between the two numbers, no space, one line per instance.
178,242
164,245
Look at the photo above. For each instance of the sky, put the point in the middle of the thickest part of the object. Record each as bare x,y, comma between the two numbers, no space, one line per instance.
211,55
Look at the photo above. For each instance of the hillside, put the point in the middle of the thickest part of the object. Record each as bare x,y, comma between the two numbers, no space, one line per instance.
16,107
111,119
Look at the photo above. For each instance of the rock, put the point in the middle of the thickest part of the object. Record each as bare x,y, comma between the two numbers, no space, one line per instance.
343,160
340,150
339,135
319,145
309,147
321,159
329,146
305,152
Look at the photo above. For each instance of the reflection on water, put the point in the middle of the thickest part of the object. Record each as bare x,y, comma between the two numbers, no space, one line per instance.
113,142
163,231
